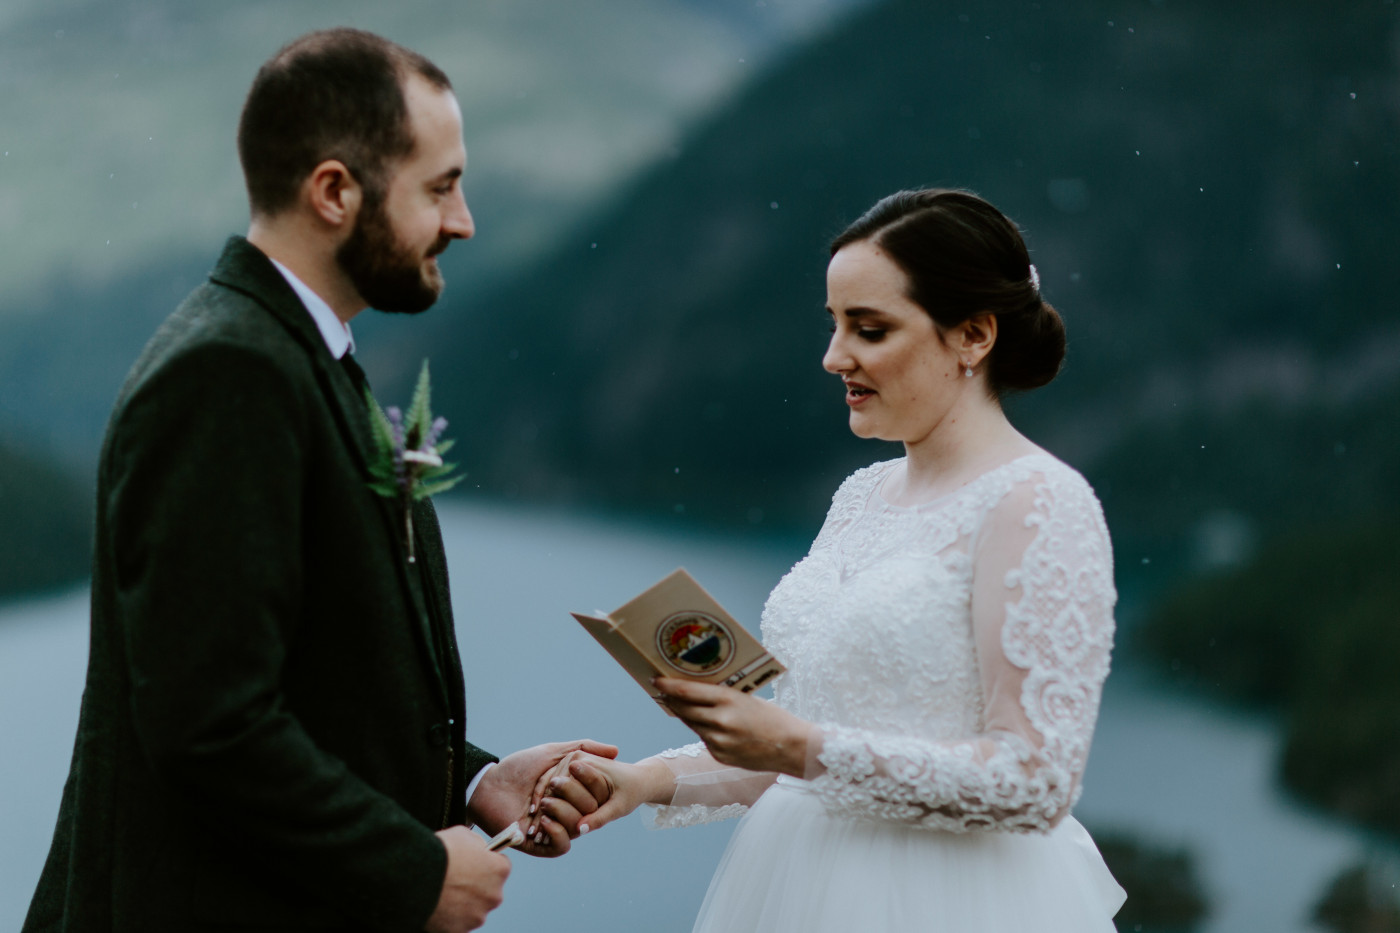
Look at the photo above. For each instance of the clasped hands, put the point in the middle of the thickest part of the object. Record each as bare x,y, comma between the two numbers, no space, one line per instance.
560,791
738,729
475,877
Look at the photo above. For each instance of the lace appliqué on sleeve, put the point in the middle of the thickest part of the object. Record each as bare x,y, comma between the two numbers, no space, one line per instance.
693,815
693,750
1022,773
706,791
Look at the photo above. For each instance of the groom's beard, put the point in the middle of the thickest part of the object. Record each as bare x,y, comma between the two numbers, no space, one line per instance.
389,275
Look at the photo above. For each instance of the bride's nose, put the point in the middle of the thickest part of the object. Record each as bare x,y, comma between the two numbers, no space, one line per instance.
835,359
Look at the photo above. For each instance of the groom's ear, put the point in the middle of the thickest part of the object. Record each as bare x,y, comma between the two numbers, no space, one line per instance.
333,194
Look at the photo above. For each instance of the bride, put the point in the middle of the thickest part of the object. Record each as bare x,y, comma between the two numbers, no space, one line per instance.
947,636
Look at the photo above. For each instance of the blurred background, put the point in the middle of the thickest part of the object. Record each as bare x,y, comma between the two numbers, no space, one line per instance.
628,354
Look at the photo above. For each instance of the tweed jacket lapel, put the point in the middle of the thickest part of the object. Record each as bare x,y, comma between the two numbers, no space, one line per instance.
244,267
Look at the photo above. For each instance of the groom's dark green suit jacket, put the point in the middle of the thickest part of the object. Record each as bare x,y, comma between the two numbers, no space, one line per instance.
274,719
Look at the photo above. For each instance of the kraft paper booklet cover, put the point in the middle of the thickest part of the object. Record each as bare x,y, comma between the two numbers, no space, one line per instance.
676,629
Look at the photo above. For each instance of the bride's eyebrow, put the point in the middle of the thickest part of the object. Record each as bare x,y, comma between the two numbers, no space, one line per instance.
859,312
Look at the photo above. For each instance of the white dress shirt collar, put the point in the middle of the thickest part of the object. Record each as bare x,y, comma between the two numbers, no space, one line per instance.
335,332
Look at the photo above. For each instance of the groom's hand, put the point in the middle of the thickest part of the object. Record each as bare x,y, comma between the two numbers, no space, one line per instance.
505,792
474,882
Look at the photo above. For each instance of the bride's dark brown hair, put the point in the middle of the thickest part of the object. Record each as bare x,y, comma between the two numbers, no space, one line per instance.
963,257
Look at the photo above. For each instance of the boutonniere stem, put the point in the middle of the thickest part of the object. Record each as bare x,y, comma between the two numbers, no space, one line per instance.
408,463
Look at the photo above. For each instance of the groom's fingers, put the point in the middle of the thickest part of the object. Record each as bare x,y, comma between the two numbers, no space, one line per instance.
542,783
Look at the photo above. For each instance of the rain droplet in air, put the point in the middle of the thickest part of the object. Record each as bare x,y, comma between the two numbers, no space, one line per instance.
1353,95
773,205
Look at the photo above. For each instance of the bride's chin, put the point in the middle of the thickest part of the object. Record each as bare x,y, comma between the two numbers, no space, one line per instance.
861,427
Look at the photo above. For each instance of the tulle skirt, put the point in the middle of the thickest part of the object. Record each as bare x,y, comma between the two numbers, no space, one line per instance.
792,868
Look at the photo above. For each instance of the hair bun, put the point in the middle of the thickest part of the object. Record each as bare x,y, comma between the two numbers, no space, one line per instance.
1030,348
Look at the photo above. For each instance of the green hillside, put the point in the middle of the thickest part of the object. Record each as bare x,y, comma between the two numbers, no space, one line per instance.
1207,190
119,175
45,525
1308,628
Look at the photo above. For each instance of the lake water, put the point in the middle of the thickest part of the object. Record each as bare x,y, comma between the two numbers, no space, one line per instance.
1166,768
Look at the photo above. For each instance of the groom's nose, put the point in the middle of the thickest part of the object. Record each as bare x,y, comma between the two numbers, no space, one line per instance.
457,222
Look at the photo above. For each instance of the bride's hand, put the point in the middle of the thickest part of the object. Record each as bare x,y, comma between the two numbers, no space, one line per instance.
622,787
740,729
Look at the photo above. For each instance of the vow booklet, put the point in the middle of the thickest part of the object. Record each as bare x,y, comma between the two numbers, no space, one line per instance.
676,629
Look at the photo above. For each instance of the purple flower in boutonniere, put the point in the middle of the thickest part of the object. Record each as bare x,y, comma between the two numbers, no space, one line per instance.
408,463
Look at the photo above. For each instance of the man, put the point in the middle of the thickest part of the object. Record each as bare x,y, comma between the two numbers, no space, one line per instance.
273,728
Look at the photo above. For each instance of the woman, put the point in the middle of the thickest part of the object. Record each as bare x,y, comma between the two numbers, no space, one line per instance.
947,637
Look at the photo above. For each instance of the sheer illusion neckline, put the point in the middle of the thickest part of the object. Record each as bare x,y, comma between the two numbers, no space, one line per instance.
877,492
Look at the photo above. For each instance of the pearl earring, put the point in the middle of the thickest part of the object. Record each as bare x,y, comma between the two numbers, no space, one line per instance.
968,370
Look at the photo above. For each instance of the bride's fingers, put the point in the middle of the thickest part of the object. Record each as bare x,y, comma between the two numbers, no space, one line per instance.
568,788
700,718
548,841
556,812
597,782
688,692
615,809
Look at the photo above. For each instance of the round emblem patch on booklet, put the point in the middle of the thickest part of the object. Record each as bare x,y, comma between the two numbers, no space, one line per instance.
694,642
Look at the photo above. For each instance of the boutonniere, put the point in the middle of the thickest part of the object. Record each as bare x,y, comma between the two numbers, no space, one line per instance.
408,463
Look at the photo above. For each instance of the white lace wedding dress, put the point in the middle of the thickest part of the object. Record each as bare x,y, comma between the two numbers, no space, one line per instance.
953,655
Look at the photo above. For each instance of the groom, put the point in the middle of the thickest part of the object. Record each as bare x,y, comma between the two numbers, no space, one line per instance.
273,729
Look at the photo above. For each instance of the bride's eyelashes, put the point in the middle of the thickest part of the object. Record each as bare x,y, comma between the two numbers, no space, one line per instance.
869,334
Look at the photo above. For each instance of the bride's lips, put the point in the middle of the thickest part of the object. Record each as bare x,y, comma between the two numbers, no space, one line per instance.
857,394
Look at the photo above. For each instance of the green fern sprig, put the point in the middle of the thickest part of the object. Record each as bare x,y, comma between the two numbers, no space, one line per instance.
408,463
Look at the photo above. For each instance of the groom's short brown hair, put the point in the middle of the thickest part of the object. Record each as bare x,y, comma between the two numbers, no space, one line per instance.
332,94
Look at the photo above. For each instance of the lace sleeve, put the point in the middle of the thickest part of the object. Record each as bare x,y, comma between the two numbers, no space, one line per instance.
1041,608
706,791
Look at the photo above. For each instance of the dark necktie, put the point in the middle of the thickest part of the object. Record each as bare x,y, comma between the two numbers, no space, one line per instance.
357,375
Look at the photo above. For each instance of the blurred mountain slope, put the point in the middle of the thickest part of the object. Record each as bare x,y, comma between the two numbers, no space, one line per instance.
117,117
1208,191
119,178
45,524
